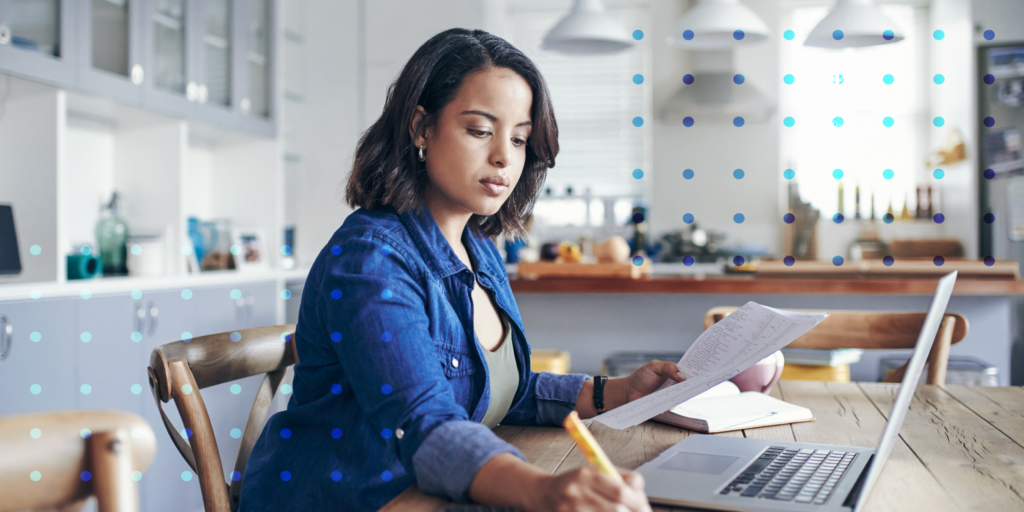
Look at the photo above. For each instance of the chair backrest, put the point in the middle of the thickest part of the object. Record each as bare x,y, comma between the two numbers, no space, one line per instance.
44,457
875,330
178,370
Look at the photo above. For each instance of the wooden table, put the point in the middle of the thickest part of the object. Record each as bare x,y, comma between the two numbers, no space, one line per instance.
960,448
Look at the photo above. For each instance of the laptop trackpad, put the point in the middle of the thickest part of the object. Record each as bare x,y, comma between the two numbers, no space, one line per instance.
698,463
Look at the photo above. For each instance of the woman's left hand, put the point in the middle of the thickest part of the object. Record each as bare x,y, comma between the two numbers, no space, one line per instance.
649,377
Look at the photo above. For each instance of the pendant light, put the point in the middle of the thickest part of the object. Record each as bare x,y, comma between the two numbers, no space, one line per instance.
588,30
717,25
853,24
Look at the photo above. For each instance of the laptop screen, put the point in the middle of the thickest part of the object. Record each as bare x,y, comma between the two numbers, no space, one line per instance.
10,261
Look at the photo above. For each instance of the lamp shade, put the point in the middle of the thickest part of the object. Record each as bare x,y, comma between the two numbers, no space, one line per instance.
852,24
717,25
587,30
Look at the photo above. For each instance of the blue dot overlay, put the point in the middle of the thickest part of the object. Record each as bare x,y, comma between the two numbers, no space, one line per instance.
688,174
738,174
837,261
789,261
738,218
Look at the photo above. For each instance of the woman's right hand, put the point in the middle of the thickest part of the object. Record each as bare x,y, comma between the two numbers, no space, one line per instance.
588,489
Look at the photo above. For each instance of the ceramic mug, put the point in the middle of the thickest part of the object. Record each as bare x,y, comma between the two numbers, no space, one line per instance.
762,376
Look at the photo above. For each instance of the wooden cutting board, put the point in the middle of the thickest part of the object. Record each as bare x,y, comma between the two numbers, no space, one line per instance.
542,269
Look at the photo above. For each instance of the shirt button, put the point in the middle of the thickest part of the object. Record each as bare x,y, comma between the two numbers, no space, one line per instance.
399,433
455,362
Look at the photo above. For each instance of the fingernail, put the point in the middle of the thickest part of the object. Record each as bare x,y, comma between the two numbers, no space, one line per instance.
680,375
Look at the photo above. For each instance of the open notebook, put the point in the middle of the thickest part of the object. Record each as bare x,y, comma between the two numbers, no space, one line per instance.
723,408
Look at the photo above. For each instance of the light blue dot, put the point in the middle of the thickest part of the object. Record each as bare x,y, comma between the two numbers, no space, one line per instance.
737,121
236,389
35,476
989,35
939,79
186,294
286,249
888,79
236,433
386,476
336,475
235,336
186,249
837,174
688,174
888,35
888,122
688,218
788,79
788,174
286,389
85,250
35,433
86,336
336,389
136,249
939,35
186,389
35,294
386,389
837,121
186,336
236,250
335,294
136,389
386,250
638,121
888,174
738,174
286,337
335,249
85,294
186,476
738,79
286,294
136,294
838,218
638,79
85,433
789,121
638,34
737,35
637,173
35,250
136,475
386,336
35,336
687,121
35,389
837,261
738,218
837,34
336,433
85,389
286,433
688,34
938,121
335,336
938,173
386,433
789,35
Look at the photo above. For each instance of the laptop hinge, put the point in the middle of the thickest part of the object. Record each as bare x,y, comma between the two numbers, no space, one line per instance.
851,499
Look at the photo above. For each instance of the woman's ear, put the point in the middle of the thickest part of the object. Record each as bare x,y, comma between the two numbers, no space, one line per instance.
417,117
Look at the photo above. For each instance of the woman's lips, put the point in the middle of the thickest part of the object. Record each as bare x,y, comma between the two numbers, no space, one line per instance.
493,189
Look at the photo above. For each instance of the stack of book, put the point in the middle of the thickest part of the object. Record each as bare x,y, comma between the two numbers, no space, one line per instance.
828,365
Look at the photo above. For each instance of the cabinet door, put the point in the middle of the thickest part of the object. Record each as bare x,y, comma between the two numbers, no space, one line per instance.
107,354
169,52
259,89
110,48
37,373
36,40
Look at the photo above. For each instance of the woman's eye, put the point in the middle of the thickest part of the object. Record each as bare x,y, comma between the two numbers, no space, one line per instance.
519,142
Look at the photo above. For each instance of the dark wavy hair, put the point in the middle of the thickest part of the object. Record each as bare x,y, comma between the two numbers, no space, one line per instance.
387,171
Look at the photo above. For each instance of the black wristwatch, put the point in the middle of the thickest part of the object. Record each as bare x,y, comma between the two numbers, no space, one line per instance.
599,381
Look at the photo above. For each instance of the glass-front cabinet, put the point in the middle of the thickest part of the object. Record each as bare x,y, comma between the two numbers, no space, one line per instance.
35,39
168,55
110,58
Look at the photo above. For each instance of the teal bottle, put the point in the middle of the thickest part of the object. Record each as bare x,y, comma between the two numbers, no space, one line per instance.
112,237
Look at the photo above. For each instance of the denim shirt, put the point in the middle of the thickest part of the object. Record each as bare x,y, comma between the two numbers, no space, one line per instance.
391,385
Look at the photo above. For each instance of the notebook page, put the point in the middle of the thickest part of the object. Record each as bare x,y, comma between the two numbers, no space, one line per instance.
747,409
730,346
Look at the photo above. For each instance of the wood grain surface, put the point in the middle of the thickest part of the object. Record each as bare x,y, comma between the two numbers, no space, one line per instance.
960,447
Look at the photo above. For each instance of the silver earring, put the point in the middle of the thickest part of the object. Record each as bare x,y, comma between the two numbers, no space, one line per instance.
423,158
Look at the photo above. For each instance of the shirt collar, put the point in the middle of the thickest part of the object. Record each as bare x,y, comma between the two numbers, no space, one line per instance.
436,250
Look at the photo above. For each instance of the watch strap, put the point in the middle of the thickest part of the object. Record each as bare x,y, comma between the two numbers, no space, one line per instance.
599,381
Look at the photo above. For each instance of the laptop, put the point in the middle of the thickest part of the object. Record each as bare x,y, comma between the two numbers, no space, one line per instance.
735,473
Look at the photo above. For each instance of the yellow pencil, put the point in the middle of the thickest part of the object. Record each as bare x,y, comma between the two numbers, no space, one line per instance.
588,445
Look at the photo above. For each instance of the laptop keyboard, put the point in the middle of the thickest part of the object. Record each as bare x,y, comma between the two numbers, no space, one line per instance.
800,476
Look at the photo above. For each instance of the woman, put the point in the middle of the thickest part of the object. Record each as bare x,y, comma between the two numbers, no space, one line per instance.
410,343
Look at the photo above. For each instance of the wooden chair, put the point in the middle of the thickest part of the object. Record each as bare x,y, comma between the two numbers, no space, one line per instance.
876,330
179,370
43,457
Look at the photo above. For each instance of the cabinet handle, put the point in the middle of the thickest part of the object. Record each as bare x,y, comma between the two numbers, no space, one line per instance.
153,314
137,74
249,300
5,35
245,104
203,93
190,91
5,337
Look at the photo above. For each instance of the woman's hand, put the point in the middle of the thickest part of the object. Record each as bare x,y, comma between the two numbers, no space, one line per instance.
649,377
587,489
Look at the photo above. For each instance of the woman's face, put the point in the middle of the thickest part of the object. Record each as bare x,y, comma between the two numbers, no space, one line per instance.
481,136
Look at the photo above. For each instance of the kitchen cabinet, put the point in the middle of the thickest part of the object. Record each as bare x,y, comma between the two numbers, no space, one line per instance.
37,38
109,60
36,370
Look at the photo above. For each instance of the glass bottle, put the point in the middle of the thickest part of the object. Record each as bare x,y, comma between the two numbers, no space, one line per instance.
111,236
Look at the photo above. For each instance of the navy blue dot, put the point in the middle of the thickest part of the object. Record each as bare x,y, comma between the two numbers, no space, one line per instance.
837,261
738,218
336,476
385,336
989,174
687,121
386,476
688,260
989,35
738,260
286,433
687,79
335,336
286,475
738,79
939,218
738,35
86,476
837,34
989,218
989,79
335,294
738,174
336,433
888,218
989,260
788,218
990,121
335,249
838,218
888,260
638,218
938,260
688,218
386,433
336,389
688,174
386,389
789,261
737,121
236,476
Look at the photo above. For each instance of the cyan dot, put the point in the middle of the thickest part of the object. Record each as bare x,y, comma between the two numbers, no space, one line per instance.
989,35
235,336
286,294
788,218
136,389
336,475
688,218
186,388
186,249
789,35
236,294
938,121
85,294
888,35
738,218
236,433
989,218
286,337
85,336
85,476
386,433
938,173
939,218
236,389
186,336
136,249
637,260
789,261
136,294
789,122
35,294
85,250
738,79
85,389
137,433
687,121
335,249
335,294
386,336
688,260
888,174
688,174
35,336
738,174
286,249
286,476
837,34
938,34
236,476
938,78
186,294
838,218
637,173
737,121
989,261
837,261
35,476
888,261
35,433
888,79
938,261
989,174
638,121
837,121
888,122
235,250
335,336
286,433
35,250
788,174
837,174
989,79
738,260
738,35
990,121
888,218
286,389
336,389
386,389
638,79
386,476
336,433
85,433
35,389
788,79
687,79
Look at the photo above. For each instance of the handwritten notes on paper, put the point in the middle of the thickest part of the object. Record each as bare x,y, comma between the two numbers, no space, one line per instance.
732,345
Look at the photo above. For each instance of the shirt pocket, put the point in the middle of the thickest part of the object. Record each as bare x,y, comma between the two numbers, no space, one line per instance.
455,358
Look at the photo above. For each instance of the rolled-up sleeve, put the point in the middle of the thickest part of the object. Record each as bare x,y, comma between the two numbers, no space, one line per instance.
373,301
547,400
